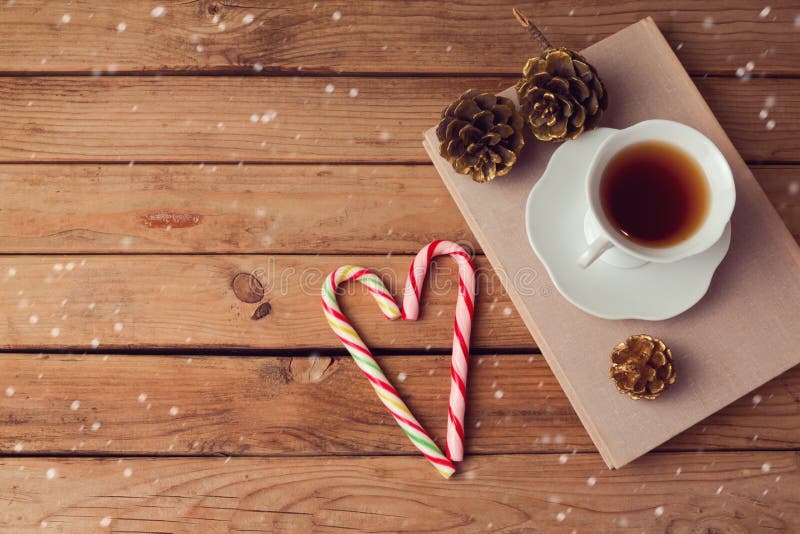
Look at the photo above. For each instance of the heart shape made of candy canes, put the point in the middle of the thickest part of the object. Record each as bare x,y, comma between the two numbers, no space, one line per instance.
366,362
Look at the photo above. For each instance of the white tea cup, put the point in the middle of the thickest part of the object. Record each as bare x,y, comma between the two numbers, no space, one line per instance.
601,233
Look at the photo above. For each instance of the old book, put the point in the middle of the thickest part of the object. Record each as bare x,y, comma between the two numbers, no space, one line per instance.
745,330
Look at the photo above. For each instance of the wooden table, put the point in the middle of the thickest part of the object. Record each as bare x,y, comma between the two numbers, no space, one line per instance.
149,154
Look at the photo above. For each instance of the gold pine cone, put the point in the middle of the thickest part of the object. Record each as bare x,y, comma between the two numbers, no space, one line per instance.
560,95
480,134
642,367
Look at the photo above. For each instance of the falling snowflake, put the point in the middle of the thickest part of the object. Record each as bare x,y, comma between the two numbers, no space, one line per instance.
763,114
563,459
401,377
248,19
75,405
765,467
498,394
95,343
765,12
336,16
142,397
708,23
749,66
127,472
506,311
719,490
158,11
55,332
118,327
353,92
96,426
757,400
258,67
561,516
659,511
329,88
10,391
794,188
173,411
12,271
770,124
65,18
591,481
106,521
51,474
33,319
121,27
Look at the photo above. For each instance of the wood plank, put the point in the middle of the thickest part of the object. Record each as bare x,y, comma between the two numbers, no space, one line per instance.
225,208
166,302
283,406
716,36
252,209
714,492
194,119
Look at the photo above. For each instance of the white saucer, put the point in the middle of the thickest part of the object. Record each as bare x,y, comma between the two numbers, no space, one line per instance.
554,218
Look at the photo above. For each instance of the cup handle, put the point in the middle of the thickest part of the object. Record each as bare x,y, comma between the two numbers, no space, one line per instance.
594,251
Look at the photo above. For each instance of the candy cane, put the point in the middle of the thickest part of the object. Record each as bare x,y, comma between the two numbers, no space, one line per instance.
462,328
366,362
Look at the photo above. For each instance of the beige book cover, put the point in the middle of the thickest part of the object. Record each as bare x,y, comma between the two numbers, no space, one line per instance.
744,332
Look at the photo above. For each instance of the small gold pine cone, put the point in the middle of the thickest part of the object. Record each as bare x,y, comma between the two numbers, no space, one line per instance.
481,134
560,95
642,367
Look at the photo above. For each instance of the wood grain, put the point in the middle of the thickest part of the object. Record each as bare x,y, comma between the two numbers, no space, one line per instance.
251,209
167,302
713,492
377,37
285,406
196,119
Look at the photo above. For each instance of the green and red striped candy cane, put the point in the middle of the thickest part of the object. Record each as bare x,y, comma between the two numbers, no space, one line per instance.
366,362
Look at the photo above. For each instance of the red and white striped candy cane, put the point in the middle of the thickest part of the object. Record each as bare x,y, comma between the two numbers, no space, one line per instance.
463,326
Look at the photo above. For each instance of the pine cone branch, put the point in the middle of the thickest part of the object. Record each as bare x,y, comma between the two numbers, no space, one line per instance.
560,93
535,32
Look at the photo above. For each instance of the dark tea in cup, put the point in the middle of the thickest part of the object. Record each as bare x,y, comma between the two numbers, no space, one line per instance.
654,194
